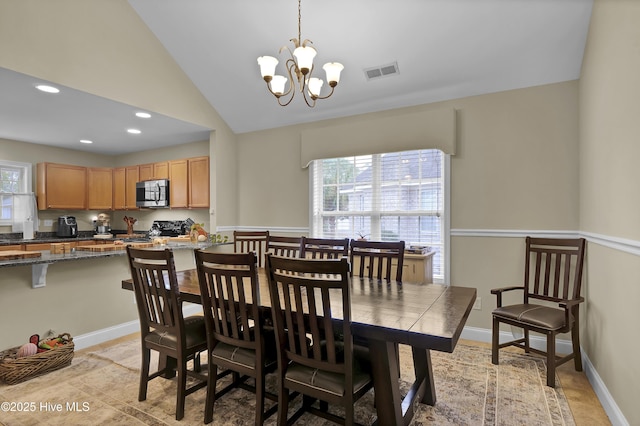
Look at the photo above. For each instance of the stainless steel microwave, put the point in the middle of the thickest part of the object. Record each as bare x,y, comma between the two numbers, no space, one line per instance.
152,193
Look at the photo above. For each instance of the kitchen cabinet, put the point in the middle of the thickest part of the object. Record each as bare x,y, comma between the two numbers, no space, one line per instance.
199,182
179,183
124,187
61,186
100,188
189,182
154,171
11,247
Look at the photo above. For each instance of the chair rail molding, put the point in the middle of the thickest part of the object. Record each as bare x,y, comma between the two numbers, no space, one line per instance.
616,243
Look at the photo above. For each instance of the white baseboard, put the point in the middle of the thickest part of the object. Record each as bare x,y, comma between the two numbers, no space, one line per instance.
562,346
104,335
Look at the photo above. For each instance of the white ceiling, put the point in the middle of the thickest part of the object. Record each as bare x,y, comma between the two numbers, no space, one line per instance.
445,49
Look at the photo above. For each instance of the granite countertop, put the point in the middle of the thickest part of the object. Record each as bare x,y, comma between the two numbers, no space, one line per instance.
48,257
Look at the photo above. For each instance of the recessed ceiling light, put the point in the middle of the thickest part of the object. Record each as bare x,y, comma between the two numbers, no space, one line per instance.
48,89
134,131
87,141
141,114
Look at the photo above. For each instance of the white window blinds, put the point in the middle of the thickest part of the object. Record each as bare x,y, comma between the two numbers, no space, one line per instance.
381,197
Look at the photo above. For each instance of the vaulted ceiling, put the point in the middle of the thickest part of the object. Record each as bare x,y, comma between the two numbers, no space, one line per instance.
444,49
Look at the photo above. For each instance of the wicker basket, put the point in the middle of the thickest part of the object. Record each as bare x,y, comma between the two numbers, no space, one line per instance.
15,370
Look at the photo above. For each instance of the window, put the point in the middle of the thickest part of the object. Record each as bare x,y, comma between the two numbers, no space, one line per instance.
15,178
383,197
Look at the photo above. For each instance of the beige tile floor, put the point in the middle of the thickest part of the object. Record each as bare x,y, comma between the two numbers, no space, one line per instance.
585,406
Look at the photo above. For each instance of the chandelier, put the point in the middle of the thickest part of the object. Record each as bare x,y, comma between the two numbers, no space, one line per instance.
300,65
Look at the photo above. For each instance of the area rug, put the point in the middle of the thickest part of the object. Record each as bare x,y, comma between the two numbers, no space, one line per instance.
101,388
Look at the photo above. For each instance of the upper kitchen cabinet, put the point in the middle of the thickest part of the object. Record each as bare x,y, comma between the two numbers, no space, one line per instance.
189,182
199,182
154,171
178,183
100,188
124,187
61,186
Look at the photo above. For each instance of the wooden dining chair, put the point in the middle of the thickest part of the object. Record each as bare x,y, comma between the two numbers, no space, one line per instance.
376,259
251,241
550,304
236,338
330,369
284,246
324,248
163,328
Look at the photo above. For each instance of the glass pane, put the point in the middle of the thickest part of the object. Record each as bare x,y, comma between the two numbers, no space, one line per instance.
330,199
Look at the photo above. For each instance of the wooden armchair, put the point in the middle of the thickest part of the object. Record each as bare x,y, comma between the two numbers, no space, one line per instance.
304,295
251,241
162,325
236,338
551,299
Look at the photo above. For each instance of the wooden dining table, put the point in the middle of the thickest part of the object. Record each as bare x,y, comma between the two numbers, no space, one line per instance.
387,313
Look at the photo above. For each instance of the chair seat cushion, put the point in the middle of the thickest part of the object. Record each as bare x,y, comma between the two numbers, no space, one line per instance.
536,315
244,356
195,334
334,382
324,380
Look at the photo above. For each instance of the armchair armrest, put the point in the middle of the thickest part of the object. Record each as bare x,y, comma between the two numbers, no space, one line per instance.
569,303
498,292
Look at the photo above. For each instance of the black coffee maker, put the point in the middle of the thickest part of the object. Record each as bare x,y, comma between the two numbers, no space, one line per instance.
67,227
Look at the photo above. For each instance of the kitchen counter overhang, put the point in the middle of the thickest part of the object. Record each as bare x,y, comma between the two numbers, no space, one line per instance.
39,264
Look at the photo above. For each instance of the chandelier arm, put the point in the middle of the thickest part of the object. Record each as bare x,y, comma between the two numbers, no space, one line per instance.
330,93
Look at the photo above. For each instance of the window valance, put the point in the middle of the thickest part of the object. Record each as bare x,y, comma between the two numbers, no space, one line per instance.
379,133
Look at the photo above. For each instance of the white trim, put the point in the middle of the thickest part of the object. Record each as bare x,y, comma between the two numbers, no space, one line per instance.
512,233
563,346
621,244
447,220
104,335
278,229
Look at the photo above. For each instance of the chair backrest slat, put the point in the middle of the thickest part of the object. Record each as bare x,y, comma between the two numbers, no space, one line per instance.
376,259
553,268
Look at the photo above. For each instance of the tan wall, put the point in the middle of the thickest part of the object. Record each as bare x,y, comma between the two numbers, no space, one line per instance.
516,168
609,198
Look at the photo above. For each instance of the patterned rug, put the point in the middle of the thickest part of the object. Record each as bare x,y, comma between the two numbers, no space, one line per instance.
101,388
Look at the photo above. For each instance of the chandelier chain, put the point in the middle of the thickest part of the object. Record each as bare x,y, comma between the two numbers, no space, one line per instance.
299,20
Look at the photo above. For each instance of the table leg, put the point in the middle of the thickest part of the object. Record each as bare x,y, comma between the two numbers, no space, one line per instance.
424,373
386,383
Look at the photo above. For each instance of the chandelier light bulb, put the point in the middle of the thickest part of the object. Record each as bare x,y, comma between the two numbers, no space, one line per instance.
267,66
277,84
333,70
314,84
304,58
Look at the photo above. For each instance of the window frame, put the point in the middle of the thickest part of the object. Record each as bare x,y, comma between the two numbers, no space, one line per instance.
315,222
25,182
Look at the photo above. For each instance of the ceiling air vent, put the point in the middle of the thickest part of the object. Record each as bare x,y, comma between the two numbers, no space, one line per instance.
382,71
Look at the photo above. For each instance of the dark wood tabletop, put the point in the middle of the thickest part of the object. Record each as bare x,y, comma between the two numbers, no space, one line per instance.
423,316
